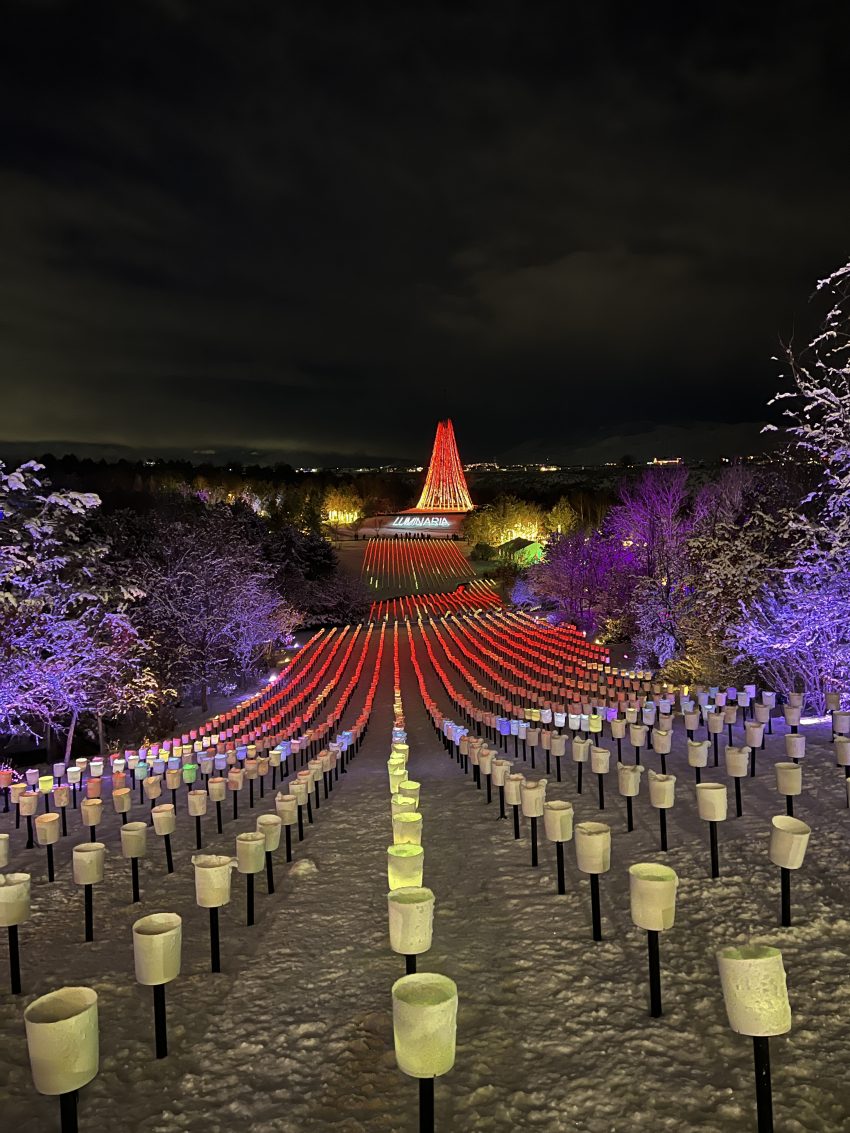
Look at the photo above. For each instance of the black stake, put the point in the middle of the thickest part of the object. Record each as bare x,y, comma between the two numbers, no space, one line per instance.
89,904
502,803
215,947
596,911
197,832
426,1105
559,853
662,822
30,843
134,873
14,960
601,779
786,896
764,1095
516,822
169,860
789,805
300,824
654,974
159,1020
287,831
579,767
534,841
249,898
269,872
68,1112
410,965
630,817
50,863
218,815
64,823
715,860
739,808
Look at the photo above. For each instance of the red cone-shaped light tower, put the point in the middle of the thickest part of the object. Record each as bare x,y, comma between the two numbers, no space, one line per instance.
445,485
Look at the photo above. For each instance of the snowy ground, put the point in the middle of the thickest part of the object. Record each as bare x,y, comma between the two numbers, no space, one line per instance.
553,1030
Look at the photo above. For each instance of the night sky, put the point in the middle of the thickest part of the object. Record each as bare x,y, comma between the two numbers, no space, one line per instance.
307,231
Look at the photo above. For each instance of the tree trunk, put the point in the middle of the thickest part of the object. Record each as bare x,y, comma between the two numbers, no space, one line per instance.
204,703
69,742
101,738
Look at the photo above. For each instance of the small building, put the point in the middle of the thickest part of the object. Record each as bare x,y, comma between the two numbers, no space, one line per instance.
523,552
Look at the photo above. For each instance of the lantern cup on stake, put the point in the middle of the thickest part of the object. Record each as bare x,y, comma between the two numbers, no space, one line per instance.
712,807
47,835
652,893
134,845
14,911
513,797
411,922
755,993
737,766
157,946
270,826
250,858
212,891
424,1033
407,827
558,826
63,1044
628,784
662,795
789,782
698,755
164,824
593,856
87,865
532,798
788,841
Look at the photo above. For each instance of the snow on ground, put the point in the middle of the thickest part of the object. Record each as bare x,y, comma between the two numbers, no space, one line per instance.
553,1030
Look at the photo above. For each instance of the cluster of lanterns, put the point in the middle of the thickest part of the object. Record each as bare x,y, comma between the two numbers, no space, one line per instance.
62,1027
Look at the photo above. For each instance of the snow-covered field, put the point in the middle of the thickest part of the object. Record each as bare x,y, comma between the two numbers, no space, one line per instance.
553,1030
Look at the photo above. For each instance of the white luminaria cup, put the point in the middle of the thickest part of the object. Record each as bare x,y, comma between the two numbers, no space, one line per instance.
712,802
134,839
789,778
662,790
14,899
789,838
600,760
593,847
652,893
62,1039
628,779
737,761
407,828
411,919
212,879
87,863
755,990
250,852
795,745
532,797
558,820
197,801
270,825
157,946
405,865
424,1024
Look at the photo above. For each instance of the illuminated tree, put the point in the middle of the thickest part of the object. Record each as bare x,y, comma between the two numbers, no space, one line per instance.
445,483
562,518
797,629
342,505
67,645
506,518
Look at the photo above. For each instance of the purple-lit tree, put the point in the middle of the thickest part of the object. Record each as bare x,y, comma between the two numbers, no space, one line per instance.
66,644
211,609
584,577
797,630
654,522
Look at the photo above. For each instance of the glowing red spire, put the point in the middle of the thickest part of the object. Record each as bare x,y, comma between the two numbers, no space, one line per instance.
445,485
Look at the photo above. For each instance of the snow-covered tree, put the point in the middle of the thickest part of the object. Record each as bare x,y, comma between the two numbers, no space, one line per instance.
67,646
797,629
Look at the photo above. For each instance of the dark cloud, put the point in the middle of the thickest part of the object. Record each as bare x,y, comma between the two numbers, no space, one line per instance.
299,228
